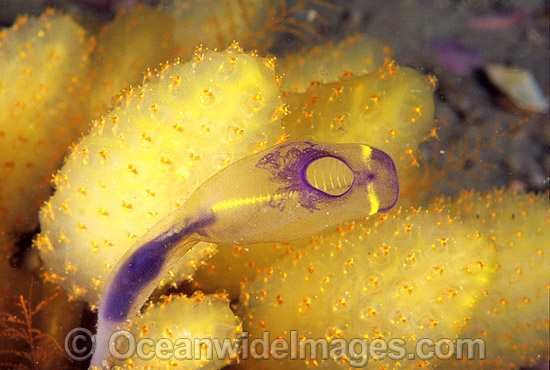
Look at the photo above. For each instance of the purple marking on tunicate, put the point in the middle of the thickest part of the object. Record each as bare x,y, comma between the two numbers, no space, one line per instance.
454,56
288,166
140,269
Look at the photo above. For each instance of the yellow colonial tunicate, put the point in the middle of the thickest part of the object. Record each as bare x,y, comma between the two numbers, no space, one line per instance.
138,38
390,108
42,65
514,317
356,55
435,273
183,333
144,159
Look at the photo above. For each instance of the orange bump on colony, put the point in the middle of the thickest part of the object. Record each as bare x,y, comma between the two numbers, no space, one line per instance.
137,164
405,282
198,317
43,62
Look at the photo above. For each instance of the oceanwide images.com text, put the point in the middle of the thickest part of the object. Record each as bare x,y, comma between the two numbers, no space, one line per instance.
80,344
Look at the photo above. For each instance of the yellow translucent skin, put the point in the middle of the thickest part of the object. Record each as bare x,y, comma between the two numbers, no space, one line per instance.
265,197
269,193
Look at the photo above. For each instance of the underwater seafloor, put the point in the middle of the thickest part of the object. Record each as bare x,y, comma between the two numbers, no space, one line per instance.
492,131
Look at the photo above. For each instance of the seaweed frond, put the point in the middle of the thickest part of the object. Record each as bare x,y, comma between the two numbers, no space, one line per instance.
23,345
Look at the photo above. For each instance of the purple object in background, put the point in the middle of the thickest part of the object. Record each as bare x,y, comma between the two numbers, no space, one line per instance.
494,21
457,58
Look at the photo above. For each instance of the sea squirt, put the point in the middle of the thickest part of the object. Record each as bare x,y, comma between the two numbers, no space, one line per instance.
269,196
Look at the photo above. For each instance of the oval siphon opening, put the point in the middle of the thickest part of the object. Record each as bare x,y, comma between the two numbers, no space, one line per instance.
330,175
